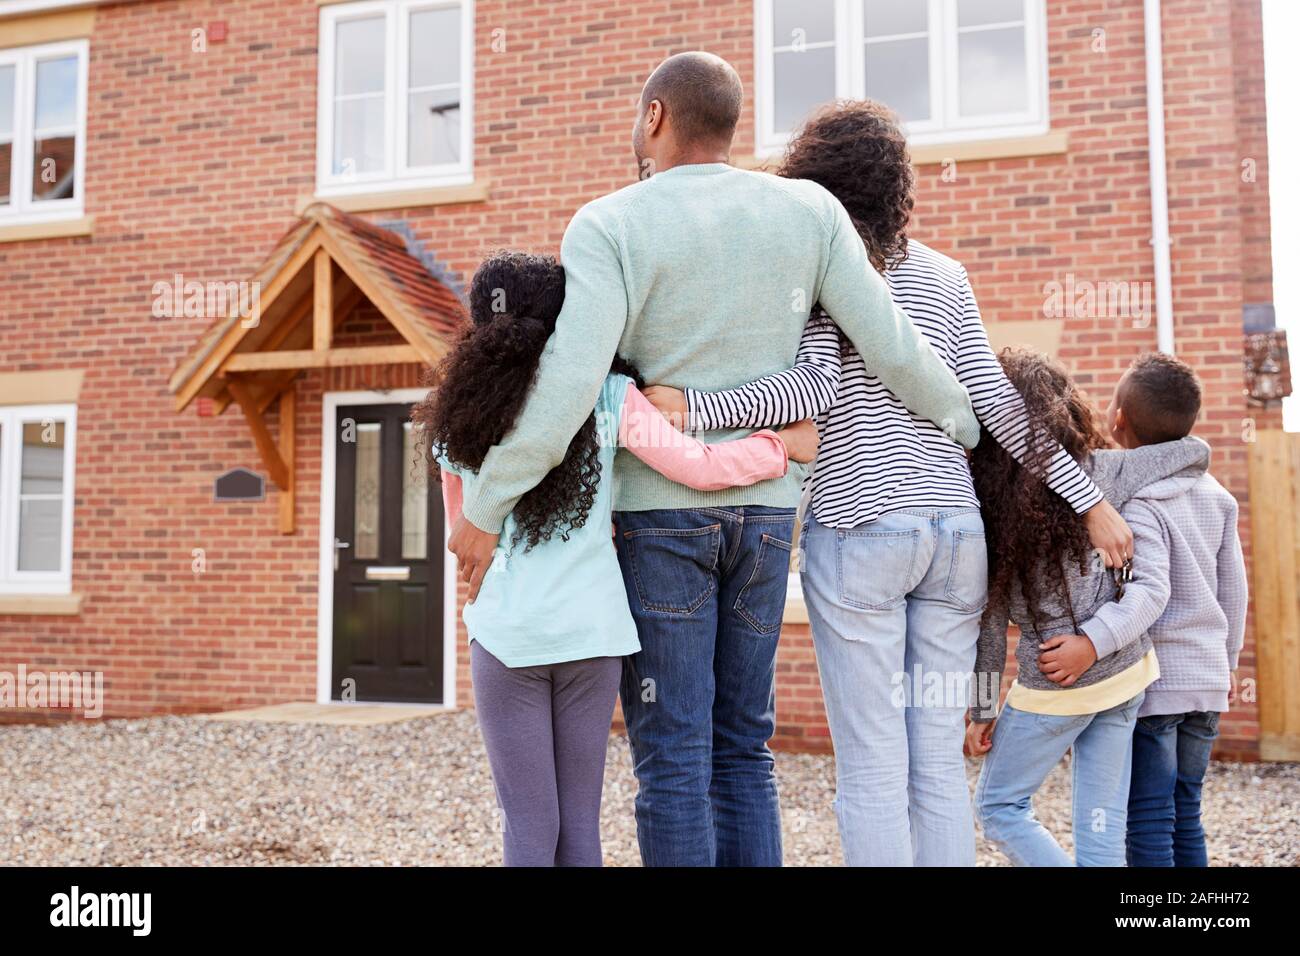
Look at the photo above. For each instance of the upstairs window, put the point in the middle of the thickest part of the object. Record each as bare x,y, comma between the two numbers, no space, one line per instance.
952,69
42,132
395,92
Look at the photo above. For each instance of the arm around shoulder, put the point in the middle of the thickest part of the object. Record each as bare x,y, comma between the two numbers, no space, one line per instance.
569,377
858,300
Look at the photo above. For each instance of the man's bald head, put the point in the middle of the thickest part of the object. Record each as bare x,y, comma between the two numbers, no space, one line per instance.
701,96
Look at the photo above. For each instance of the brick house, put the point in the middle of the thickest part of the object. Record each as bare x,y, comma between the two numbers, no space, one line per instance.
348,164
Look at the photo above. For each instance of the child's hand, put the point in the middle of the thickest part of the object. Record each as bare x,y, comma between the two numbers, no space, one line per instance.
1232,687
1066,657
671,403
800,440
979,738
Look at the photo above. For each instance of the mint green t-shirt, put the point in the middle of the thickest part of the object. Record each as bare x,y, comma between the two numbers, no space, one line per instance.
563,600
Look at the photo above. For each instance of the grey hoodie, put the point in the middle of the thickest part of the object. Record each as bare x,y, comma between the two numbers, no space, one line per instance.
1190,576
1120,637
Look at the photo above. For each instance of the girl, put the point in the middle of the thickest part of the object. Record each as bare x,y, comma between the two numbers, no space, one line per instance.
551,622
1043,575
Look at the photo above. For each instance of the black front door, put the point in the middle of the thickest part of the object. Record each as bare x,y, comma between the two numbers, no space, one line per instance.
388,594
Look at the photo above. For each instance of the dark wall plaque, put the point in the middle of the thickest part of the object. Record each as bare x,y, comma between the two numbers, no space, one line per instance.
239,484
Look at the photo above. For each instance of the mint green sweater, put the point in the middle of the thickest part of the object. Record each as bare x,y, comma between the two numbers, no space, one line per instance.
703,276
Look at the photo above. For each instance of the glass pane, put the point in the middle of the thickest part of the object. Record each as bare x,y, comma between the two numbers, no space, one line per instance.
815,18
415,497
6,102
433,127
973,13
366,494
885,18
359,136
6,171
898,75
54,168
992,73
359,56
802,81
42,466
6,131
435,47
56,93
40,497
40,533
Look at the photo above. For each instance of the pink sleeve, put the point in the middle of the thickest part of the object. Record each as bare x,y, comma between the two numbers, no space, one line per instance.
644,432
453,494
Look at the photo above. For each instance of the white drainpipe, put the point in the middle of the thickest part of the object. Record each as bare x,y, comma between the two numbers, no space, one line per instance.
1160,241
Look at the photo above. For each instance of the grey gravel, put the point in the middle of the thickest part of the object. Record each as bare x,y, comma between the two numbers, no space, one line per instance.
187,791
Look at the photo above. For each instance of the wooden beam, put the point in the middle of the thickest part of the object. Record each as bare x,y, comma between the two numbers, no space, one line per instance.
189,388
275,465
323,297
293,330
335,358
288,437
429,353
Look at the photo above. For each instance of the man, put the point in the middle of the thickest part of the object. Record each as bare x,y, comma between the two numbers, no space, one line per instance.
701,274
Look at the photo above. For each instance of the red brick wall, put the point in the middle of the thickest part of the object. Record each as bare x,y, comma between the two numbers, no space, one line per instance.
195,162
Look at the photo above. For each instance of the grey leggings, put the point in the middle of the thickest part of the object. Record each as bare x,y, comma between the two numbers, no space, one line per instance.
546,730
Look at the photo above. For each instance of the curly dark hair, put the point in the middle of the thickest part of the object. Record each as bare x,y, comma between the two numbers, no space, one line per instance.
856,150
479,389
1028,526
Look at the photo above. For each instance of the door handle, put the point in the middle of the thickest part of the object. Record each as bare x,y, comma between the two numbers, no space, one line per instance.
385,573
338,546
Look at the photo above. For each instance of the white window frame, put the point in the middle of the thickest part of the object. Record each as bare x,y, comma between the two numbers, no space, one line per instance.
944,125
21,207
396,174
12,418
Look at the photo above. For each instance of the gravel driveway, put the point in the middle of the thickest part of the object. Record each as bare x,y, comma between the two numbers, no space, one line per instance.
187,791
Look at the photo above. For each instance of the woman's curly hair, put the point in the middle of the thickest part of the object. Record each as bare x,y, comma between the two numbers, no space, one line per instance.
856,150
1028,526
479,389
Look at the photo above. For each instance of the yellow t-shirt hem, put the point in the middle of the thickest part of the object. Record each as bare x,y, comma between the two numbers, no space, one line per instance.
1092,699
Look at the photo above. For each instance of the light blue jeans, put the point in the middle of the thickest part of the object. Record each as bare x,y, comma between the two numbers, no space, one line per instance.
1025,749
895,606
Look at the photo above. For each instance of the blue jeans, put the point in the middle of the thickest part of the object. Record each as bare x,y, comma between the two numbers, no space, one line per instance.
1025,749
707,588
895,607
1170,755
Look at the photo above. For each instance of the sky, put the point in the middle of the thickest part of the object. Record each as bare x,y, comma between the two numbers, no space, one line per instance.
1282,78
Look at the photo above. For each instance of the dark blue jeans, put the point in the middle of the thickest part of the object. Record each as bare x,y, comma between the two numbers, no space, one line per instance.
1170,754
707,589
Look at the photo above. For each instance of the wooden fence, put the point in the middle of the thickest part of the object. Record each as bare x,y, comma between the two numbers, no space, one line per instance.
1275,546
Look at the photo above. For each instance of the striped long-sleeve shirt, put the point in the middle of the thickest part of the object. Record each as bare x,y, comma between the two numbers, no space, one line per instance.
875,456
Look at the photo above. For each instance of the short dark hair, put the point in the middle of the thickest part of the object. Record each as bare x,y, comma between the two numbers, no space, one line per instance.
701,94
1161,398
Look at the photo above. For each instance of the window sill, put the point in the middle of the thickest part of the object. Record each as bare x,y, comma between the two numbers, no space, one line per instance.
47,604
54,229
477,191
796,611
1019,147
1047,144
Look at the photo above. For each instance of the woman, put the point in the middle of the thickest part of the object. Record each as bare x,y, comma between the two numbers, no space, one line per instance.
894,564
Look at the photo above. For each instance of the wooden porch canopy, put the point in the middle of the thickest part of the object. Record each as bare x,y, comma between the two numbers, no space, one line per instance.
325,266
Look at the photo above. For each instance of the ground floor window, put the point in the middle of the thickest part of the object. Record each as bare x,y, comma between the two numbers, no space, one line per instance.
36,498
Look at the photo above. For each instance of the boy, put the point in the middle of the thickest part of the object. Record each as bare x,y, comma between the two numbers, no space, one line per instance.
1186,546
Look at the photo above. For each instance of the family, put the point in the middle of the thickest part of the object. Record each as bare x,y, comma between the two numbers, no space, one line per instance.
716,343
